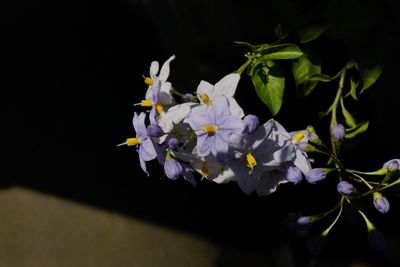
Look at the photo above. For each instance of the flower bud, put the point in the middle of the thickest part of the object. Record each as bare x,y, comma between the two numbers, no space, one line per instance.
293,175
315,175
173,143
305,147
251,123
188,97
338,132
304,222
172,168
345,188
314,138
392,165
381,203
310,129
153,130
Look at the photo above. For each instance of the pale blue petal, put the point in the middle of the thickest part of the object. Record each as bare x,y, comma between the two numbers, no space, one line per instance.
269,182
164,72
302,162
234,108
154,69
220,148
220,109
146,150
232,125
227,85
205,88
204,144
143,165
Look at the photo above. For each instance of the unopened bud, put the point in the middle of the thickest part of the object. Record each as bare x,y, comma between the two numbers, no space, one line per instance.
338,132
251,123
392,165
316,175
153,130
346,188
381,203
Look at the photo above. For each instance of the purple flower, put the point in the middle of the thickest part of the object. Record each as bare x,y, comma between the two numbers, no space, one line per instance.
345,188
214,127
338,132
143,143
155,131
173,143
315,175
392,165
381,203
251,123
172,168
293,175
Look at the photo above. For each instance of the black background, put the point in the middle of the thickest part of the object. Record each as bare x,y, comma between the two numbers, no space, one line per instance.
71,71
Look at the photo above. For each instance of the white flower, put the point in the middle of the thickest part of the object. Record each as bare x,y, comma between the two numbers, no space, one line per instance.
206,93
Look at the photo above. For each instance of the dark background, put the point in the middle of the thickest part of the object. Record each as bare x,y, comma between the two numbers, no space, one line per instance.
71,71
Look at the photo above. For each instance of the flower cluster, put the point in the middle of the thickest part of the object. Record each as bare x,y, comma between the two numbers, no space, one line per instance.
210,134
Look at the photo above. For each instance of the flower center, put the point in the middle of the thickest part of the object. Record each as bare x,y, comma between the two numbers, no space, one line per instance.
205,99
204,170
146,103
251,160
148,80
159,108
210,129
298,137
133,141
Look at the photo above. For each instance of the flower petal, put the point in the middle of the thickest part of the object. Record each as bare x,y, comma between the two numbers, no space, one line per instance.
164,72
227,85
204,144
269,183
232,125
220,148
205,88
234,108
143,165
146,150
154,69
138,124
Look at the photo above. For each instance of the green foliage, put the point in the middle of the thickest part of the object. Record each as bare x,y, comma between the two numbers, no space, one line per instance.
281,51
350,121
311,32
269,83
303,68
356,130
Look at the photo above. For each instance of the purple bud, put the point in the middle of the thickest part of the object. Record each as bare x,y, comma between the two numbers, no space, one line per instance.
293,175
304,221
251,123
381,203
338,132
345,188
315,175
153,130
173,143
173,169
392,165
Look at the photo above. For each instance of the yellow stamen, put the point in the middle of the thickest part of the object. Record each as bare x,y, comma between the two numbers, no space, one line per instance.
204,170
210,129
148,80
132,141
205,99
298,137
159,108
146,103
251,160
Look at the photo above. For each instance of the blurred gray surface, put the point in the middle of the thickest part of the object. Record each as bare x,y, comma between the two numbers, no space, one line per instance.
41,230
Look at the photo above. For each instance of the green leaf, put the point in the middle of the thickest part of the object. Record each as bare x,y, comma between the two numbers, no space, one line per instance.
369,75
304,67
269,83
282,51
353,88
350,121
320,77
312,32
359,128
